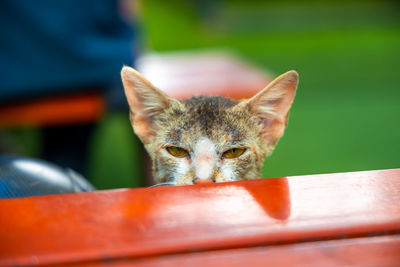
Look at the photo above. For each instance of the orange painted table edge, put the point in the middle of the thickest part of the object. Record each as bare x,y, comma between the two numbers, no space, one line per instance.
389,226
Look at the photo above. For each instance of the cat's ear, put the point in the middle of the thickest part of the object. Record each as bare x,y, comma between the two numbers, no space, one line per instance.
272,105
145,102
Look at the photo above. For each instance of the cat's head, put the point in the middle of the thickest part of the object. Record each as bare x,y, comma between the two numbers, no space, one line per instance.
208,138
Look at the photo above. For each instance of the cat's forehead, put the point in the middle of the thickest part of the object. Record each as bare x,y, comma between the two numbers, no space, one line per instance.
214,118
209,103
209,114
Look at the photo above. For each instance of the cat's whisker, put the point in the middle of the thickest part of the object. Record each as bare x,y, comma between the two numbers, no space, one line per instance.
163,184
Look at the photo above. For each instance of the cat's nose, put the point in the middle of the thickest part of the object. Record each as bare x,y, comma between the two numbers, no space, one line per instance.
202,181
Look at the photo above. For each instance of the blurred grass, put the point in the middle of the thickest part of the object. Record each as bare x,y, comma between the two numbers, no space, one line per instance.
115,161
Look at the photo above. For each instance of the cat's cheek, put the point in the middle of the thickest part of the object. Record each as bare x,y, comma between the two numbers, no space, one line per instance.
186,180
228,174
183,174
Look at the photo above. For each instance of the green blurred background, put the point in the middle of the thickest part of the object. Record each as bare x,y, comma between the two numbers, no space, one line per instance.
346,115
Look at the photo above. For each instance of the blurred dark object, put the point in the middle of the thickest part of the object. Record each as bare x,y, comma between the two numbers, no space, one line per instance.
73,150
67,124
22,177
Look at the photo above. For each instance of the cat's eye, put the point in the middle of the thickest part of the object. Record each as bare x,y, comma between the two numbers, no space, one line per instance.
177,151
233,153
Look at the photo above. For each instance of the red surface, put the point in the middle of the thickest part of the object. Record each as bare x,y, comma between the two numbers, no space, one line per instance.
152,222
78,108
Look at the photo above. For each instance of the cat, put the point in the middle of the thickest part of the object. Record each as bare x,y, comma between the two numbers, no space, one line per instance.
208,139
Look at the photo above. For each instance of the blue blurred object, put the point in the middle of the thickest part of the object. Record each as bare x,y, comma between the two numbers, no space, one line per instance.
49,46
22,177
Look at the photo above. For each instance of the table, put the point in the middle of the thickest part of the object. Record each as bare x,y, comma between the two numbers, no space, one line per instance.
315,220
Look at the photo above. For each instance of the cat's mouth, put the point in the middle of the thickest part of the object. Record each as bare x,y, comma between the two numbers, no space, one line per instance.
163,184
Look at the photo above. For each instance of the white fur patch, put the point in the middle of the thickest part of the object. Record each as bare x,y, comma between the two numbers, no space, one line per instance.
228,173
182,169
204,158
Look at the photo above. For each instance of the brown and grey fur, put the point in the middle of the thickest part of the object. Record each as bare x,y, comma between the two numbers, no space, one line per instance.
206,127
